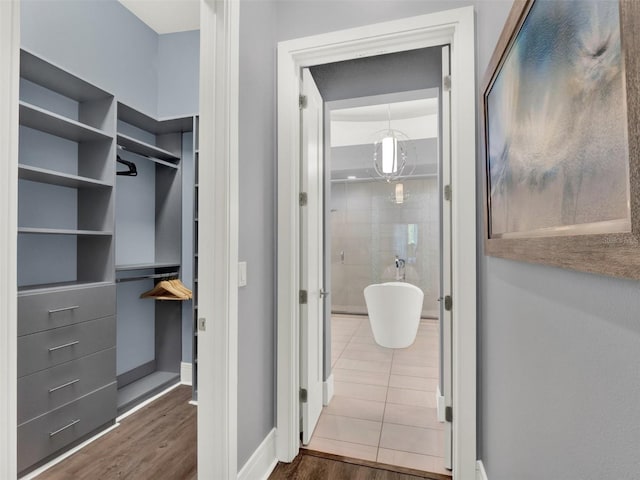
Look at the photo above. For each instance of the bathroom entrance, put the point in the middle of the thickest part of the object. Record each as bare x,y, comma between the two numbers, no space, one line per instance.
382,401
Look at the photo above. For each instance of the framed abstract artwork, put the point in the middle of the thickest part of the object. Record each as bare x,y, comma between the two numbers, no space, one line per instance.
561,118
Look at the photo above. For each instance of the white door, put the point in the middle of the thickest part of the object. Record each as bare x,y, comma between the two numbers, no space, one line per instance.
445,287
311,261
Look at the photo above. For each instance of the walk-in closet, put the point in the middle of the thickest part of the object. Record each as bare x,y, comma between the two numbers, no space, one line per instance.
107,252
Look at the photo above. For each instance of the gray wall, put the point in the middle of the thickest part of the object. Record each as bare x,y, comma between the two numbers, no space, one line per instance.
363,77
256,356
100,41
558,350
178,73
558,362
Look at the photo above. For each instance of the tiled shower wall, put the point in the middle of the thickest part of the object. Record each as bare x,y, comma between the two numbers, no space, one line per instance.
368,230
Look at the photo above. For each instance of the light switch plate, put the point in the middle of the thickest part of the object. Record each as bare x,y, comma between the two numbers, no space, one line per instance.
242,274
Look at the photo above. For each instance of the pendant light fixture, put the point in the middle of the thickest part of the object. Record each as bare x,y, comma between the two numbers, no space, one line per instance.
399,197
390,151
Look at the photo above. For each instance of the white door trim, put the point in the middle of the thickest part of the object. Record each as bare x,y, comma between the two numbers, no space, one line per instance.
218,240
452,26
217,415
9,84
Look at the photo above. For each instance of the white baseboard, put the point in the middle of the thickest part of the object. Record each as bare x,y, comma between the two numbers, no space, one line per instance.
481,473
263,460
327,390
186,373
440,406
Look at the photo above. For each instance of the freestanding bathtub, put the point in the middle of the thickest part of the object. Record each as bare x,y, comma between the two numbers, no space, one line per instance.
394,312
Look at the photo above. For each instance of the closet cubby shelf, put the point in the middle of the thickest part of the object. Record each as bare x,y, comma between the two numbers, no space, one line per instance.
152,152
145,266
145,387
50,122
57,79
63,231
52,177
156,126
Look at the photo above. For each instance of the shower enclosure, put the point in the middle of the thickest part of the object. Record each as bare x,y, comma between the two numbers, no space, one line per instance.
374,223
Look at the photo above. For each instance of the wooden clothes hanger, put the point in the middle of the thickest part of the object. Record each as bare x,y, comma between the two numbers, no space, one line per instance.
177,284
169,290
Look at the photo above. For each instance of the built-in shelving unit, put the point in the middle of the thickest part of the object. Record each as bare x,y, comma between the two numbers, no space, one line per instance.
196,164
66,271
86,254
148,249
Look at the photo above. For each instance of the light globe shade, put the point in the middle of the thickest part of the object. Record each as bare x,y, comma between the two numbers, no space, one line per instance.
389,154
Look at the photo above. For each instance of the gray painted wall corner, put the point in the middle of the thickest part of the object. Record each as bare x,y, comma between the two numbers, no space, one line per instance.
256,329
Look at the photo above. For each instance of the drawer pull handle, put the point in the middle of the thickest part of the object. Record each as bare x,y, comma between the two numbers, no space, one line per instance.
70,344
51,434
68,384
73,307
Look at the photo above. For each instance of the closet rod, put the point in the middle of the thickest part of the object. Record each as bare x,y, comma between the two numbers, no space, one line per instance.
145,277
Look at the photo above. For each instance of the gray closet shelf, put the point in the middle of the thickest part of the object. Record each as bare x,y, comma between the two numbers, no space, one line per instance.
145,387
49,122
55,78
52,177
63,231
154,153
156,126
60,286
146,266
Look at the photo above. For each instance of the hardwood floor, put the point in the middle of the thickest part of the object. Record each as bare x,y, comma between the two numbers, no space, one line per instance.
158,442
310,465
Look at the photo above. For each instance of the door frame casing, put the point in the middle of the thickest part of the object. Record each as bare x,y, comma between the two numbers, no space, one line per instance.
455,27
218,234
9,86
217,411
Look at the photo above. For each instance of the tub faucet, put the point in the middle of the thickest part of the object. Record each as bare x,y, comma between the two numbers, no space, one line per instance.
399,268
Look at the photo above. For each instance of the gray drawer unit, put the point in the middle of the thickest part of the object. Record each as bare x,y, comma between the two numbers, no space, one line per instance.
44,350
49,389
53,309
48,433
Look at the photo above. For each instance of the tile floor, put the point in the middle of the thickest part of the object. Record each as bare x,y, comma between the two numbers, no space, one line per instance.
384,404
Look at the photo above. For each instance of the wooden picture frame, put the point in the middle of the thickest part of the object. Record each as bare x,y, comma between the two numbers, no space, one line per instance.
614,254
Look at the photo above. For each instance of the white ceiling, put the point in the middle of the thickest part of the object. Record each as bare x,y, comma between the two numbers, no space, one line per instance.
166,16
397,110
418,119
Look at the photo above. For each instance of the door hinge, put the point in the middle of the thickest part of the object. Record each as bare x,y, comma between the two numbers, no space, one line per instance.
303,297
303,199
446,82
447,192
303,395
448,303
202,324
302,101
448,414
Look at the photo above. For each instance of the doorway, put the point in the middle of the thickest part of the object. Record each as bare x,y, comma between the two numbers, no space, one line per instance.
456,28
380,229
